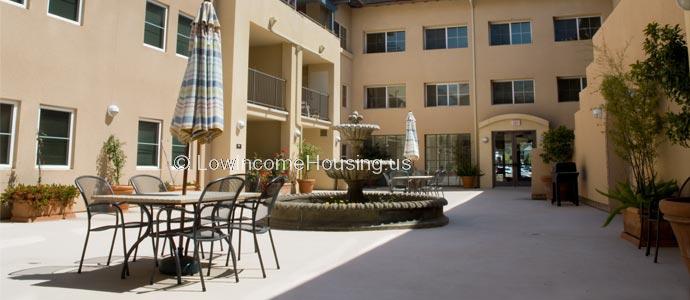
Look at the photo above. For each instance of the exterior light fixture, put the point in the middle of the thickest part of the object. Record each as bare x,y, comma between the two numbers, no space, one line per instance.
321,49
272,22
485,139
241,124
298,133
685,4
337,140
598,112
113,110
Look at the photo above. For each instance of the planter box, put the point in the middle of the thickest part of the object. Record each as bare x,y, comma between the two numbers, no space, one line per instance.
22,211
633,233
190,187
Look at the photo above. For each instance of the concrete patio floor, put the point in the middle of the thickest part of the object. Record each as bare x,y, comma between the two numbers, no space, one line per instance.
498,245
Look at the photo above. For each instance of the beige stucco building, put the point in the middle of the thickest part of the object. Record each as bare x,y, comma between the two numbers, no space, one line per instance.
484,79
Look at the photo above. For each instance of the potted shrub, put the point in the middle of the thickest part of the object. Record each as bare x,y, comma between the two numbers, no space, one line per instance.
280,168
40,202
111,161
469,175
308,153
557,147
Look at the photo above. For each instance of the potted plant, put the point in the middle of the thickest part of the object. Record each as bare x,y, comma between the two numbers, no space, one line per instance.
111,161
308,153
281,167
40,202
469,174
557,147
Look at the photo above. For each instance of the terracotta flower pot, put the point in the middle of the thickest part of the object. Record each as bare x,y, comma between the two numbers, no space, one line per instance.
23,211
306,186
635,233
467,181
678,213
122,190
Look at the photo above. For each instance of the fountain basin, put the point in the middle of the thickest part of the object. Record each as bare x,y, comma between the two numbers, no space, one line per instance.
327,212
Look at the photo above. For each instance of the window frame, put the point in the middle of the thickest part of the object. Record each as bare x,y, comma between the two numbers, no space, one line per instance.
80,13
445,29
399,143
577,26
581,79
172,149
366,97
459,135
385,41
510,32
177,34
165,26
70,139
25,5
344,91
158,145
447,84
12,134
512,87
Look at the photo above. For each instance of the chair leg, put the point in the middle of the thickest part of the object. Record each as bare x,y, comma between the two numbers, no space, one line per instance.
124,243
176,255
112,243
196,257
141,220
656,250
239,236
201,248
83,251
275,254
210,261
649,235
154,240
261,261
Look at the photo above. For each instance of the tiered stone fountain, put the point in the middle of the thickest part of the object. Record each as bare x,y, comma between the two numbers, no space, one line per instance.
356,210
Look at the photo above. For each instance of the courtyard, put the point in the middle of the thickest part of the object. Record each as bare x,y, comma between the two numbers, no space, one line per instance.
499,244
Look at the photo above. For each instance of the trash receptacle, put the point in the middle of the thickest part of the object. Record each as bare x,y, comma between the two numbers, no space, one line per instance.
565,187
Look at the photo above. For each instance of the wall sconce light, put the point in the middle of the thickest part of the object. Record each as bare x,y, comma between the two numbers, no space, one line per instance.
685,4
298,133
598,112
241,124
337,140
322,49
272,22
113,110
485,139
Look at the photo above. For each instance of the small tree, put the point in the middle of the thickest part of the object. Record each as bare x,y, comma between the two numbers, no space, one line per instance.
111,160
308,152
558,145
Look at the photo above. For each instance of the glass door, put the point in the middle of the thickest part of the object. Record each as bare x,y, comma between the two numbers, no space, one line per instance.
512,157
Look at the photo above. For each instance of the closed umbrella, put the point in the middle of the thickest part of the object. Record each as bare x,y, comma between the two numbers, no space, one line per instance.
411,143
199,110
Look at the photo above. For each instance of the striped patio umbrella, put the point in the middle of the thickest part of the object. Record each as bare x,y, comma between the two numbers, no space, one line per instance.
411,143
199,110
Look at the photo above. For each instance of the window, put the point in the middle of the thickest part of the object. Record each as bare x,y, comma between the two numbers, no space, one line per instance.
178,148
512,92
54,137
572,29
393,41
393,145
65,9
445,38
8,113
20,3
510,33
154,25
447,94
343,95
569,88
442,151
148,144
385,97
184,32
341,33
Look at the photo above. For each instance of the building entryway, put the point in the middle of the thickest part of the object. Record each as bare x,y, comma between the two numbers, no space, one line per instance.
512,157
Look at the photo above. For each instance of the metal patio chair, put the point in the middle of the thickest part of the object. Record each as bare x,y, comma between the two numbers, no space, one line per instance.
393,184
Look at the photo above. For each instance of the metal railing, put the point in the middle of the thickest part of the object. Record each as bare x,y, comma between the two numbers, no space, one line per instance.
314,104
297,5
266,90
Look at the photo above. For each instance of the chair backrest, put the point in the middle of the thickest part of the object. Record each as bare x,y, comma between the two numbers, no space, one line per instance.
229,187
268,197
146,184
684,191
92,185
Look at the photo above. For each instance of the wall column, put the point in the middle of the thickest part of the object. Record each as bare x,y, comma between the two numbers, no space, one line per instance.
292,73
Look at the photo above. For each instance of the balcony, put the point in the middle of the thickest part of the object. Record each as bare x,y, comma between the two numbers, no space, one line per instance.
314,104
266,90
319,11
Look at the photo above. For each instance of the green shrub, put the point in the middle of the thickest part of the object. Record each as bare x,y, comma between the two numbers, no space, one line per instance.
40,196
558,145
467,169
627,196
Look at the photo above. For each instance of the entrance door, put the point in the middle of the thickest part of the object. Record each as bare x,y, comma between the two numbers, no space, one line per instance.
512,157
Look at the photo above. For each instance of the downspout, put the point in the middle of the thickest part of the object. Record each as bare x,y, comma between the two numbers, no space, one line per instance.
473,84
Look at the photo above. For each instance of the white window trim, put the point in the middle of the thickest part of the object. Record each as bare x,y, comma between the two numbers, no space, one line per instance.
510,31
79,14
577,25
165,27
447,84
366,98
13,133
177,34
512,87
70,143
445,28
24,6
385,40
158,145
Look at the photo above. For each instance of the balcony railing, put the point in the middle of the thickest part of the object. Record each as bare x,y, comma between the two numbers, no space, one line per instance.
314,104
266,90
323,17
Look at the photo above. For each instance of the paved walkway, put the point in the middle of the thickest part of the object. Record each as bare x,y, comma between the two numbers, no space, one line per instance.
498,245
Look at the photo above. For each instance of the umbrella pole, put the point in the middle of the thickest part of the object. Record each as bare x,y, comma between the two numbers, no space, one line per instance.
184,173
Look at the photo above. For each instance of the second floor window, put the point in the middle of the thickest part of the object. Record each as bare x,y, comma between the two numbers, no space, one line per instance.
184,31
445,38
148,144
447,94
393,41
510,33
7,123
154,25
54,137
341,32
572,29
66,9
569,88
385,97
512,92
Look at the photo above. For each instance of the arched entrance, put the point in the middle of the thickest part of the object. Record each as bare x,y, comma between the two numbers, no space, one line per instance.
505,148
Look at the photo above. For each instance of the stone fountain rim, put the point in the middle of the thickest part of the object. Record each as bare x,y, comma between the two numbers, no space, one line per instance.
422,201
357,125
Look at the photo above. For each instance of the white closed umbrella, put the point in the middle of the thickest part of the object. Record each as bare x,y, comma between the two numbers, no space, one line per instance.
411,143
